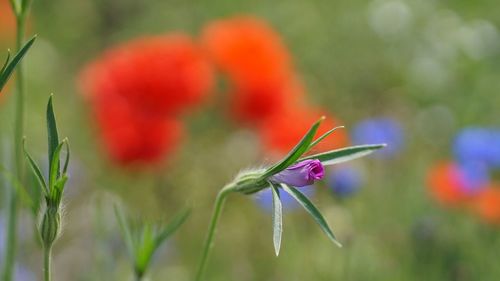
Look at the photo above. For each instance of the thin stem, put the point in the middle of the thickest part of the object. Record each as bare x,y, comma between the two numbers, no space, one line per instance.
47,259
10,252
209,243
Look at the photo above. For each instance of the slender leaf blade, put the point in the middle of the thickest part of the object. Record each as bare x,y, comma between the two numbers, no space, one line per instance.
53,137
277,219
36,171
145,249
344,154
296,152
172,226
322,137
6,62
66,160
54,166
313,211
126,232
5,75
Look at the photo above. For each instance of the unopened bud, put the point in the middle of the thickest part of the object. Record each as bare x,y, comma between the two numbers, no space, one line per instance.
49,228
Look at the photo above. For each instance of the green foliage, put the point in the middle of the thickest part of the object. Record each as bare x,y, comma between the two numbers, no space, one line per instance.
143,239
296,152
10,65
277,219
54,187
344,154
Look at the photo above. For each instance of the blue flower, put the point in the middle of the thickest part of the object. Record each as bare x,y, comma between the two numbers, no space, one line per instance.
265,198
345,180
476,144
380,130
474,176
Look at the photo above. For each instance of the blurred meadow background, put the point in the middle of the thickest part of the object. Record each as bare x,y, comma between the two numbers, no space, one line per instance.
421,76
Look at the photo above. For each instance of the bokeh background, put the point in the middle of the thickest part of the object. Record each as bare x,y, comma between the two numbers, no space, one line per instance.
422,76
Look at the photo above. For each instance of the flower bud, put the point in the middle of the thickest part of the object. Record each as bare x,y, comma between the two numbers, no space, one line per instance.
301,174
49,228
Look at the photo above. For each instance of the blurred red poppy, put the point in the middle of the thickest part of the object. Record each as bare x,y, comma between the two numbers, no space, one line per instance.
247,49
138,89
7,21
281,132
445,184
133,138
258,66
487,204
164,74
254,104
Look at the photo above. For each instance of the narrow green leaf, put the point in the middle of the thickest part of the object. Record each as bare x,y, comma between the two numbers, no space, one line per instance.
277,219
344,154
36,171
312,210
126,232
66,161
296,152
318,140
172,226
6,62
53,137
145,249
54,165
5,75
60,183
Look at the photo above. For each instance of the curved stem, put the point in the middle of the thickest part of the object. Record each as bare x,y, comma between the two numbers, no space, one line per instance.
46,264
209,243
10,252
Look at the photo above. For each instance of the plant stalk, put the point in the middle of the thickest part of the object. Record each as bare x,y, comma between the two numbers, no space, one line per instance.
11,245
47,260
209,243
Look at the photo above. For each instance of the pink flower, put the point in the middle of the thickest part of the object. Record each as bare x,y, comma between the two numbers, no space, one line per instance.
301,174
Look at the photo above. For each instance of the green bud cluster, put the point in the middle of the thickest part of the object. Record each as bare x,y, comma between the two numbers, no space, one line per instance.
50,226
53,188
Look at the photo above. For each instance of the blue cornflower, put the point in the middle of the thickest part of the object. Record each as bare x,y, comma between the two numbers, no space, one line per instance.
380,130
345,180
477,144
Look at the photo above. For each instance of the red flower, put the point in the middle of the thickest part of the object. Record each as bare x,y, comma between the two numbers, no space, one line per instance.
258,65
133,138
254,104
487,205
281,132
137,90
445,184
7,21
164,74
247,49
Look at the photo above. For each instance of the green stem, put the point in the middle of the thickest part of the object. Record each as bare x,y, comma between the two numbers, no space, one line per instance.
10,252
209,243
47,258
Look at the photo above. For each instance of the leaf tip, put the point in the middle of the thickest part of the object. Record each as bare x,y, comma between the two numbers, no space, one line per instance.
337,243
277,252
